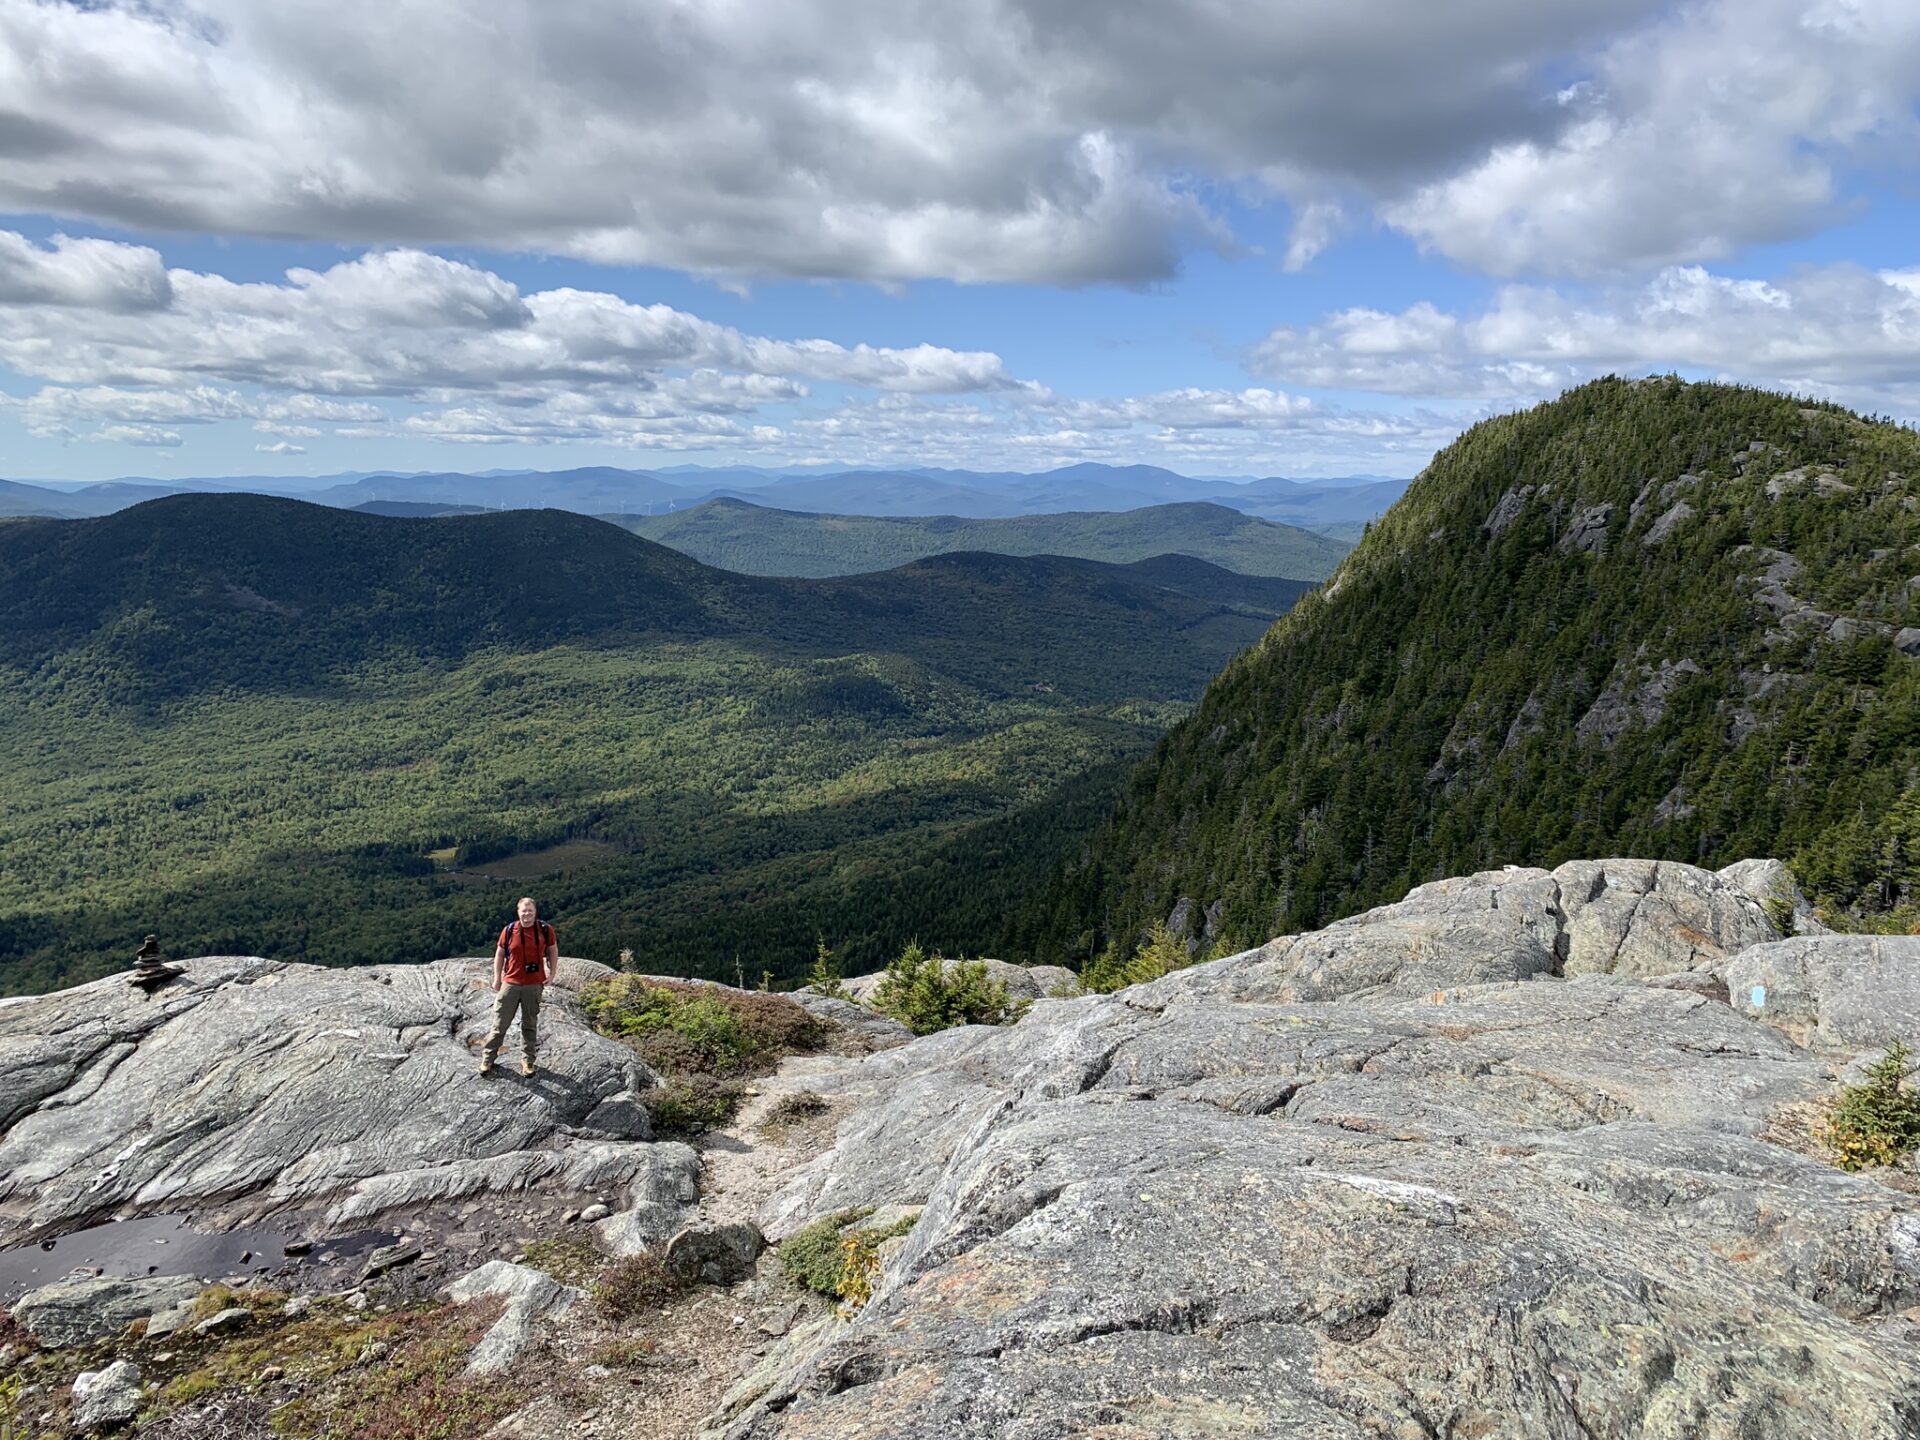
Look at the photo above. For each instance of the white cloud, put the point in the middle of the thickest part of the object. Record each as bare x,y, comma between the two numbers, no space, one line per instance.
95,274
1724,125
280,447
147,435
1837,330
324,347
1051,141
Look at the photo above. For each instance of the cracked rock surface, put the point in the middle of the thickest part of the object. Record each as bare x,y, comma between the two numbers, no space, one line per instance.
1468,1165
251,1086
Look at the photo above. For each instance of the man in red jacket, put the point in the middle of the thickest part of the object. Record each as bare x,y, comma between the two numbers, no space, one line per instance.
523,962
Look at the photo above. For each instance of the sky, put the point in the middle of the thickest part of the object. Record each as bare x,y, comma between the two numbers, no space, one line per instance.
1230,237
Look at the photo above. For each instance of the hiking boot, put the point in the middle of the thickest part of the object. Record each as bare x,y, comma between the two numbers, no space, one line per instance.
486,1065
526,1067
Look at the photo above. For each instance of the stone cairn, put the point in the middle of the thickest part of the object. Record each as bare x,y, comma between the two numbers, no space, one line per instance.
150,968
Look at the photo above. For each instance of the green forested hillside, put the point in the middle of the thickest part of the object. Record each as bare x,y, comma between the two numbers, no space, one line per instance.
258,725
1650,618
735,535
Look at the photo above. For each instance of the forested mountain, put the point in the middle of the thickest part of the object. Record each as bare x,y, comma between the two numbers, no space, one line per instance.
755,540
257,725
1649,618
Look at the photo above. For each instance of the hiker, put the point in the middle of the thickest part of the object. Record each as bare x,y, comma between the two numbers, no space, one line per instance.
523,962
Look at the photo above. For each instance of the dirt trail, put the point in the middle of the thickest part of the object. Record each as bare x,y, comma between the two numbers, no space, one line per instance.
656,1377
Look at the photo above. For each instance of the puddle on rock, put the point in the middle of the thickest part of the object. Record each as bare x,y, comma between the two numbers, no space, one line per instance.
164,1245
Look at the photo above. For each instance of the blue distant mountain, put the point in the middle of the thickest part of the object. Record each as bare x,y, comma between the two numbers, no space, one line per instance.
1339,506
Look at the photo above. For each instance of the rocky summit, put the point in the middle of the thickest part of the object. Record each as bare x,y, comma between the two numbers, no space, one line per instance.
248,1088
1527,1154
1498,1160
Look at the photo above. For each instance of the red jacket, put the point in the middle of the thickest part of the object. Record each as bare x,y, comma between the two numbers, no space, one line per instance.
526,947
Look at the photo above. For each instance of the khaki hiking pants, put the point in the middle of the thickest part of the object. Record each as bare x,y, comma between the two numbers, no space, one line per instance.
525,999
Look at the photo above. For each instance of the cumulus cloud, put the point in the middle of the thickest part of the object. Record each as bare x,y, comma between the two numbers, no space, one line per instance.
1725,125
280,447
330,347
1051,141
1838,330
94,274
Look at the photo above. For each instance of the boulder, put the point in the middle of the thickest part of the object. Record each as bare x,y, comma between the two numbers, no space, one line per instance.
1023,982
234,1317
252,1086
103,1398
1653,917
871,1031
166,1322
531,1296
1497,925
715,1254
1844,993
1396,1178
85,1307
1772,883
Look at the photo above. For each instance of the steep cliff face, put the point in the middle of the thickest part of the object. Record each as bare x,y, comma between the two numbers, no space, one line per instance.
1672,620
1403,1177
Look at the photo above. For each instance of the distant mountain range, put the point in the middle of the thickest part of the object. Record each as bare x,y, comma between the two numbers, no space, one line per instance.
263,726
1338,506
754,540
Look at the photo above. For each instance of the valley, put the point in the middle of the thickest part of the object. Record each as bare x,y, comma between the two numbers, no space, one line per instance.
736,535
256,725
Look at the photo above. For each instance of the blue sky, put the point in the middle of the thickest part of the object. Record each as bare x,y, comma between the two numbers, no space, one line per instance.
1227,237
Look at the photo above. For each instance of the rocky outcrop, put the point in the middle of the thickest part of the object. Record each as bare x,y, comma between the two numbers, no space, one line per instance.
530,1295
1837,993
1635,694
1588,531
866,1026
1649,917
86,1307
1023,982
105,1397
249,1086
1401,1177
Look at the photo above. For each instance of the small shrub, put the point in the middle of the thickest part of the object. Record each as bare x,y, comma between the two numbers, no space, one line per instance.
635,1284
824,978
812,1257
692,1104
1161,953
704,1027
624,1351
1876,1122
793,1109
835,1257
927,992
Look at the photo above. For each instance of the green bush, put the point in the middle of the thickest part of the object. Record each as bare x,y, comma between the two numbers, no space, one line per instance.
926,992
702,1040
824,978
1876,1122
794,1109
1162,953
835,1257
